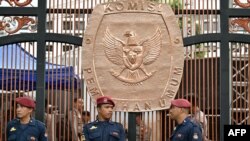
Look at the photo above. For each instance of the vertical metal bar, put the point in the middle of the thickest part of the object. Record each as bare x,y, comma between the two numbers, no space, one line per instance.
216,96
213,72
246,46
234,93
24,66
49,97
240,83
2,98
248,85
236,61
40,96
131,126
29,67
224,69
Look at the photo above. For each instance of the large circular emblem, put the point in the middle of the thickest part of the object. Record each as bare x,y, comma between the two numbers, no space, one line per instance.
133,52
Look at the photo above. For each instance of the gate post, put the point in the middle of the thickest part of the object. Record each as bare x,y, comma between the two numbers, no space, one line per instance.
224,69
131,126
40,95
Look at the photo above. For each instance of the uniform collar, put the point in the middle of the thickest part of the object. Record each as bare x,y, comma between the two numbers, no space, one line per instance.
104,122
187,119
31,122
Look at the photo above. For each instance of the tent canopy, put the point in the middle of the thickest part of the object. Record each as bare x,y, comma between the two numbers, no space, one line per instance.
18,71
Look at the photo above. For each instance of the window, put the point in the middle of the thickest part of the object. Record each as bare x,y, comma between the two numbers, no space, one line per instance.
79,15
79,25
49,47
67,47
67,25
49,25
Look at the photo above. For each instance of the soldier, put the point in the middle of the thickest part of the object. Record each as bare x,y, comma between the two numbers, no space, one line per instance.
25,127
75,118
103,129
186,129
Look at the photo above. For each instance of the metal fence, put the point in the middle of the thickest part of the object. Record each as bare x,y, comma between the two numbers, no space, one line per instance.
40,44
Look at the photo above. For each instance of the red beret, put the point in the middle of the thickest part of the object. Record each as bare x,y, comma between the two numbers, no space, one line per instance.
104,100
26,101
181,103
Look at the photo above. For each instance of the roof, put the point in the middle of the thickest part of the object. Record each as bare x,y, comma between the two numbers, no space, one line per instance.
19,72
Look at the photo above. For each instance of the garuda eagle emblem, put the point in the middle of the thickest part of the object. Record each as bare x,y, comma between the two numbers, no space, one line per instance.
132,55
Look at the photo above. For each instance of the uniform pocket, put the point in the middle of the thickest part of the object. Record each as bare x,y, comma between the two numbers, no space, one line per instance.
115,135
31,138
12,138
94,135
179,137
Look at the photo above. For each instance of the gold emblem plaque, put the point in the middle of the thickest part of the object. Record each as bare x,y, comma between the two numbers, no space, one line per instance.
133,52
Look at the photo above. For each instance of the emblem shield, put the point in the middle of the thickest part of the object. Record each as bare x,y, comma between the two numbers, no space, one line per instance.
133,52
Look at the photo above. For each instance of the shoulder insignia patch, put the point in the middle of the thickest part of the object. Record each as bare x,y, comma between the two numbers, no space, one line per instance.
115,134
179,135
92,127
32,138
195,136
13,129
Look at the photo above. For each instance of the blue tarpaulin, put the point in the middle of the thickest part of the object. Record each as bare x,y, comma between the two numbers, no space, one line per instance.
18,71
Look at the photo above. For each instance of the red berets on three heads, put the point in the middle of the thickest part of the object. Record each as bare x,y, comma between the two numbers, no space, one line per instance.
181,103
104,100
26,101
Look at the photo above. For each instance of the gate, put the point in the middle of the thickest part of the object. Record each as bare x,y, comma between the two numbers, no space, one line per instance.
41,43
